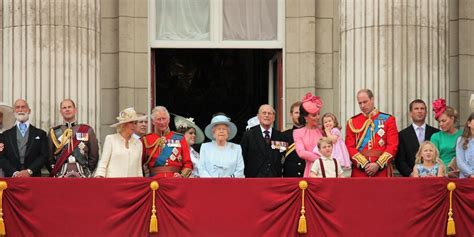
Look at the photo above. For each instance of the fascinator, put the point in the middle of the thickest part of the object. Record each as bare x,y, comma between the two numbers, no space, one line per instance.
312,104
439,106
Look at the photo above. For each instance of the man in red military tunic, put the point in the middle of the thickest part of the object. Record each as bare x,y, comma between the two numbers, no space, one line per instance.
165,153
371,138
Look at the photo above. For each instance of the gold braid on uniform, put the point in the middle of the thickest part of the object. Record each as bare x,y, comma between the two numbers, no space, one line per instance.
382,160
363,129
361,160
186,172
158,143
65,138
290,149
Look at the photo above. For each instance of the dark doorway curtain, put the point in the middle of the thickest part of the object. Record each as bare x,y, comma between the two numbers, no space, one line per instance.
200,82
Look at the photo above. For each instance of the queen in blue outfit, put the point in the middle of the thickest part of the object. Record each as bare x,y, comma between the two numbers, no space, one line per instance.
221,158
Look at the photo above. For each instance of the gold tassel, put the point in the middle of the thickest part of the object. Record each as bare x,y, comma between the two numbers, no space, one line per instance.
3,186
153,221
302,228
451,228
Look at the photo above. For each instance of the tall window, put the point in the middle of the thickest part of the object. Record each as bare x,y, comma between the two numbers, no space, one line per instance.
217,23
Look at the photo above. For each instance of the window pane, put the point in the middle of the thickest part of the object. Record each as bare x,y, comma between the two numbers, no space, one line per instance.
250,19
182,19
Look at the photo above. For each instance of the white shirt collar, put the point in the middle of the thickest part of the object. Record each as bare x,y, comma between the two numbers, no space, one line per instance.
263,130
416,126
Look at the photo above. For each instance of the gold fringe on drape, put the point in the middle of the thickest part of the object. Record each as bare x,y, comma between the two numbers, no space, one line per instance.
153,221
3,186
302,229
451,228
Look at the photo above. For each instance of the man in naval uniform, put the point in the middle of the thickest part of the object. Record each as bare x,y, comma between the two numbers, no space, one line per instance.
371,138
293,165
73,147
165,153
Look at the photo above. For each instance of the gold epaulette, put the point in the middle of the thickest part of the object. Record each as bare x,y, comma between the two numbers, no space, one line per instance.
361,160
382,160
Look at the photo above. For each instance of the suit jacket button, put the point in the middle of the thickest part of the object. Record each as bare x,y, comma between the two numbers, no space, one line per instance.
299,173
299,163
269,164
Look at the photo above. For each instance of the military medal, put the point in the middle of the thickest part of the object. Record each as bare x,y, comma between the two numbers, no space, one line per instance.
81,147
381,142
82,136
381,132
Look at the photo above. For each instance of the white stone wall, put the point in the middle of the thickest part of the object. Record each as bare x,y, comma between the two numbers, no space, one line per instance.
50,50
124,59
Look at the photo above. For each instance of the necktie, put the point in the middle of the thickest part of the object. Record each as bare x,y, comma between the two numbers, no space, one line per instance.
22,129
419,134
267,136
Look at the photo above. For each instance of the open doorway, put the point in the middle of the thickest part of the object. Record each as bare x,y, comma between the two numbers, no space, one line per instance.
201,82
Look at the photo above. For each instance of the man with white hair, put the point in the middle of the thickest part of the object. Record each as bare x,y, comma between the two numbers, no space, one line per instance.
26,147
165,152
263,146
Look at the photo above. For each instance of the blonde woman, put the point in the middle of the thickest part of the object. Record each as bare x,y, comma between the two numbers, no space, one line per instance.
121,154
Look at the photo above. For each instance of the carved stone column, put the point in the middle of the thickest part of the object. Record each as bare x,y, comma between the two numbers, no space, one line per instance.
51,51
397,48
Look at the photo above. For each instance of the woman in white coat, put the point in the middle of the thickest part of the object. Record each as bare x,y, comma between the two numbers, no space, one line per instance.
122,153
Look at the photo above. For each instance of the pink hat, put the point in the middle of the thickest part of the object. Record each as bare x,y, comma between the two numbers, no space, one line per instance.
312,104
439,106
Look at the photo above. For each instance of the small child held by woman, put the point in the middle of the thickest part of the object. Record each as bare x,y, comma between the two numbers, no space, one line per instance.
326,166
332,130
427,162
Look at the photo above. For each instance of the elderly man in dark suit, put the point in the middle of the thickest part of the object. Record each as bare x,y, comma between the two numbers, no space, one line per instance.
412,136
26,147
263,146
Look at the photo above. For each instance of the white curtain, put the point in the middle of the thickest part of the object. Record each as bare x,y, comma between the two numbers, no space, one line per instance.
250,19
182,19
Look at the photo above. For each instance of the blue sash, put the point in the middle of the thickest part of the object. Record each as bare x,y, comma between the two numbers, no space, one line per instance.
381,117
166,151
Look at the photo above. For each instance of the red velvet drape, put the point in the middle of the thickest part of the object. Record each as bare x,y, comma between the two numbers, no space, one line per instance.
236,207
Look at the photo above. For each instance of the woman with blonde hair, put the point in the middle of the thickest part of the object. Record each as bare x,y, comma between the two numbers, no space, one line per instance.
122,153
445,140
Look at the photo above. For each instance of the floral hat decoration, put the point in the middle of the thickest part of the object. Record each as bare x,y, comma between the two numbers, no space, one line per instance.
439,106
182,122
312,104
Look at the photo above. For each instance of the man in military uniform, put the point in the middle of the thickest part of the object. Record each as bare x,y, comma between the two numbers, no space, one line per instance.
165,153
73,147
293,165
371,138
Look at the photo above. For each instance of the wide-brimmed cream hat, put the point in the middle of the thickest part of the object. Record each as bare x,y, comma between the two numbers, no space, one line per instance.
221,119
127,115
8,115
182,122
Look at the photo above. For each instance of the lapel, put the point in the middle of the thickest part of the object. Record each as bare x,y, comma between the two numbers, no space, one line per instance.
29,142
11,137
260,140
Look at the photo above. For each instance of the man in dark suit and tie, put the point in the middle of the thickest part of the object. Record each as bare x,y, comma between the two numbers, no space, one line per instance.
25,146
263,146
412,136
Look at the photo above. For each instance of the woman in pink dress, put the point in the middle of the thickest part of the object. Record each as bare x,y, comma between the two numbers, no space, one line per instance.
307,137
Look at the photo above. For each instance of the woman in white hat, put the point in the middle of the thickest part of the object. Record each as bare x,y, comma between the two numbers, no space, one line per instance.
193,135
221,158
7,117
122,153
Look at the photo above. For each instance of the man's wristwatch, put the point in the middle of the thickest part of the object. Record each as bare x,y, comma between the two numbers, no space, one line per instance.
29,172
